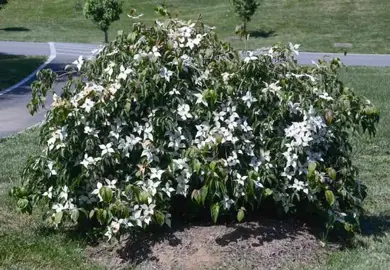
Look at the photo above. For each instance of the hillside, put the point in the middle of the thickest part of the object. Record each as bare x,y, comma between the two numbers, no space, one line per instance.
317,25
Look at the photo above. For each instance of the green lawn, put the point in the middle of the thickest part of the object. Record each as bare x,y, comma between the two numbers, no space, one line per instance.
315,24
14,68
26,244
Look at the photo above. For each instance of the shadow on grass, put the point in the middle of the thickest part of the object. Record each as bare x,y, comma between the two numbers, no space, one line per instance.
14,68
262,33
15,29
375,225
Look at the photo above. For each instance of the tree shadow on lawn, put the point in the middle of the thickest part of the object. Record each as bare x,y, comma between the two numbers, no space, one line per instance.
259,33
15,29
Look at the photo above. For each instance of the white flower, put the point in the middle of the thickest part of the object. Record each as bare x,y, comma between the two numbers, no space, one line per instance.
191,43
106,149
124,73
148,129
97,191
154,54
227,202
294,48
51,170
248,99
226,77
156,173
58,207
111,183
114,134
88,105
250,57
180,163
110,68
49,193
200,99
91,131
175,139
294,108
64,193
245,127
147,211
128,144
182,182
174,92
79,62
168,189
233,160
166,74
299,185
184,111
87,161
240,179
326,96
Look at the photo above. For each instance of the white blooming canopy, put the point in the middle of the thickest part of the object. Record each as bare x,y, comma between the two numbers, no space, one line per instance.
170,111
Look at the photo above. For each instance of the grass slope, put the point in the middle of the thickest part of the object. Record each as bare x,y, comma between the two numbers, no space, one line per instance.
25,242
14,68
317,25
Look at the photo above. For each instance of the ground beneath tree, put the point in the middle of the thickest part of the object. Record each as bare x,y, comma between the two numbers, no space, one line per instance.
267,244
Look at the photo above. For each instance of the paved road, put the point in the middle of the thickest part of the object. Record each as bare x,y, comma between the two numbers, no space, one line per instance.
14,116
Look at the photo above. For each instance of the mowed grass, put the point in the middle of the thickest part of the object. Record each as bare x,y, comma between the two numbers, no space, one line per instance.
26,243
317,25
14,68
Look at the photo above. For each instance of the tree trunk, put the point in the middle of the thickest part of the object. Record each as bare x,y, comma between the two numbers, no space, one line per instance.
106,36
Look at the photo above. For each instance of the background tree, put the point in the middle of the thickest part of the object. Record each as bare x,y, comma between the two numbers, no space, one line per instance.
2,3
103,13
244,9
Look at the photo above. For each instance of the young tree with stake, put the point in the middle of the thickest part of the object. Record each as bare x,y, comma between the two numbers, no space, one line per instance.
244,9
103,13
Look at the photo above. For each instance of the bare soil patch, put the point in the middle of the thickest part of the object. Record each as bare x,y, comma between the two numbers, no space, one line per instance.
268,244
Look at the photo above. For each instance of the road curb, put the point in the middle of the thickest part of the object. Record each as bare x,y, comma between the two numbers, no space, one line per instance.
53,55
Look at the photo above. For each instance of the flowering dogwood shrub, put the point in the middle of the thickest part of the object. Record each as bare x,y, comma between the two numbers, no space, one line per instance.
169,110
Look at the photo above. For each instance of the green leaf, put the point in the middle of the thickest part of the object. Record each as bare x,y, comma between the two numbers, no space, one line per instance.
91,214
215,212
241,214
128,107
329,116
75,215
106,194
311,169
196,165
329,197
268,192
22,204
212,165
160,218
58,217
203,194
332,173
196,196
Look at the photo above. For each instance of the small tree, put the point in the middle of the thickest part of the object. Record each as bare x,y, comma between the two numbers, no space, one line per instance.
244,9
3,3
103,13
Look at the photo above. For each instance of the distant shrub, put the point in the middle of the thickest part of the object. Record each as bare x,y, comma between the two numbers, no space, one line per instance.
169,111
